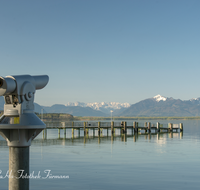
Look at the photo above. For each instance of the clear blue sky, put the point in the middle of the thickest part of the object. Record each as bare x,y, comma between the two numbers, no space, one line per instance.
103,50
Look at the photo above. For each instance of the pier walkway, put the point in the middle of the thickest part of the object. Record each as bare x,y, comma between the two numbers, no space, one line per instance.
136,128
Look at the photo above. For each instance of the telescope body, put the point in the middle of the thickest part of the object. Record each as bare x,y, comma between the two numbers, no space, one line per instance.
13,84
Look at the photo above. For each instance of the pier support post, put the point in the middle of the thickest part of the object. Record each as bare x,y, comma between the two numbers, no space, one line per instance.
132,129
170,126
99,128
84,128
79,133
122,127
43,133
87,129
181,127
149,127
158,127
125,127
112,127
72,129
18,163
145,125
64,128
135,127
93,132
65,132
58,132
72,132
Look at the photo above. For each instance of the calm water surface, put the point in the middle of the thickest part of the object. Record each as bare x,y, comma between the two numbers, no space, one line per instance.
133,162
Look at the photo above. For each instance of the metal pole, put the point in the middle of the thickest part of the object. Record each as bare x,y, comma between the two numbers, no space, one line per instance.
111,114
42,114
18,168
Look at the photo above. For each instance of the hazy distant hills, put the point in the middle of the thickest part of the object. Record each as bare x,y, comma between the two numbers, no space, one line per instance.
73,110
104,107
156,106
58,108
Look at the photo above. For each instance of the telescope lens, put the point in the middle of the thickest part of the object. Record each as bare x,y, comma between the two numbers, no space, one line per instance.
1,82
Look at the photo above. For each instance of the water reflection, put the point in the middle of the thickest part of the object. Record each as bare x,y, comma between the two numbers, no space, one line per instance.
159,138
164,160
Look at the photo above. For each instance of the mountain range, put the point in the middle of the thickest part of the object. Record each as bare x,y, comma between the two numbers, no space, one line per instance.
104,107
155,106
161,106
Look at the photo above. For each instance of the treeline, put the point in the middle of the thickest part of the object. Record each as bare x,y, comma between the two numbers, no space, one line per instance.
53,116
56,116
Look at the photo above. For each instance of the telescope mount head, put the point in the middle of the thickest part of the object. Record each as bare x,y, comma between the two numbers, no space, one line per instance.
19,125
19,91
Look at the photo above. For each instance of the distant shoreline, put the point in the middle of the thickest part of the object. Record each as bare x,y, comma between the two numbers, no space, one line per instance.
137,118
63,116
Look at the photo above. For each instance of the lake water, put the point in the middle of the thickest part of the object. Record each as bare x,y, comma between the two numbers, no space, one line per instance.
132,162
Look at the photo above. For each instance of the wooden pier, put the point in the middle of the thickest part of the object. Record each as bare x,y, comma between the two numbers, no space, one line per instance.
136,128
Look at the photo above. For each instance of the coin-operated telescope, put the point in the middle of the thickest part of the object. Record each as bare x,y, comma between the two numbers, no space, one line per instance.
19,125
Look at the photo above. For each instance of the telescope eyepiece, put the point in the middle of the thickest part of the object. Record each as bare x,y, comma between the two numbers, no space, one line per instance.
1,82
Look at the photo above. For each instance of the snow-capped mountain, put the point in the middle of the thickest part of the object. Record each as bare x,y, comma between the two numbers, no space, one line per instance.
162,106
195,101
159,98
155,106
101,106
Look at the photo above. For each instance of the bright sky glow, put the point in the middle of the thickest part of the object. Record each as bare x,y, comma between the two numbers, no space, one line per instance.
103,50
